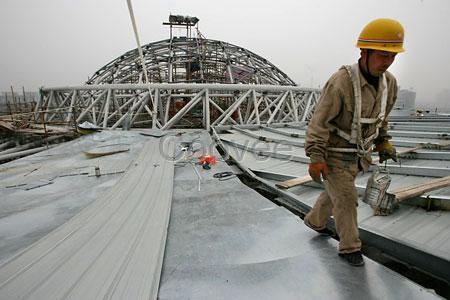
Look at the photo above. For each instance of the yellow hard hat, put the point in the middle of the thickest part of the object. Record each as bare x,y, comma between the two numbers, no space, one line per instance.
382,34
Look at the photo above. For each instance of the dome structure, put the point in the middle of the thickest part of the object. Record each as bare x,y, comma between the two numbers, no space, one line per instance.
191,60
187,81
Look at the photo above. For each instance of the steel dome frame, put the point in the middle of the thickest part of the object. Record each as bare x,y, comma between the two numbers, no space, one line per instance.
217,83
191,60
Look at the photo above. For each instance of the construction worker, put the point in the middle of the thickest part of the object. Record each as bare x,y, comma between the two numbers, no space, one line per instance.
348,120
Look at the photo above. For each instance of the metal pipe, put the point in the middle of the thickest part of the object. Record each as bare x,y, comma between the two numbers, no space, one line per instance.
277,108
206,111
106,110
130,111
23,153
136,35
232,108
184,110
72,103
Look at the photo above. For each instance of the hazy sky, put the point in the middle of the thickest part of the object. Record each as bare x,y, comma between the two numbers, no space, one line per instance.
62,42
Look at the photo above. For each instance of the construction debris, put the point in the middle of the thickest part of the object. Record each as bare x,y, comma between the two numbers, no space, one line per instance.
6,126
106,150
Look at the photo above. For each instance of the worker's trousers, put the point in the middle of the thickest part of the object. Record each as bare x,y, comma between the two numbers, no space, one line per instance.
340,200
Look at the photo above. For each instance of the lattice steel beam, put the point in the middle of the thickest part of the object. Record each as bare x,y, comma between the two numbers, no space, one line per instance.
110,105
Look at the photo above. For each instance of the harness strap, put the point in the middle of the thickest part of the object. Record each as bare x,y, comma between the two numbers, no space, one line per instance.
355,136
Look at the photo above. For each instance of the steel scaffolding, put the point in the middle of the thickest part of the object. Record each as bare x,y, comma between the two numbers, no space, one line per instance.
165,105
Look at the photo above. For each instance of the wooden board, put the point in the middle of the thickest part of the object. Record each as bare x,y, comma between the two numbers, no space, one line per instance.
417,190
294,182
106,150
154,132
6,125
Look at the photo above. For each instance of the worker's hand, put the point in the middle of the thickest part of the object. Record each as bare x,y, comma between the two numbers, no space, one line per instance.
317,171
386,151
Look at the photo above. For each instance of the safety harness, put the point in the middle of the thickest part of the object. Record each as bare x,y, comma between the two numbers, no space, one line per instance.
355,137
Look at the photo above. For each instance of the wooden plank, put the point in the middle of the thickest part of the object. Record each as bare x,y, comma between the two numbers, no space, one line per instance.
106,150
294,182
417,190
6,125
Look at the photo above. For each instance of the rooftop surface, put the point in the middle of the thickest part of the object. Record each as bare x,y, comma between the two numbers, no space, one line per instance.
66,233
276,153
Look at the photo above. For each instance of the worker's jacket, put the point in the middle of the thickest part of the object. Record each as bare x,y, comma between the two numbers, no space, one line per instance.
336,106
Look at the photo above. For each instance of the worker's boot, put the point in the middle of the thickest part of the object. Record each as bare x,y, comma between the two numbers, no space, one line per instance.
354,258
325,231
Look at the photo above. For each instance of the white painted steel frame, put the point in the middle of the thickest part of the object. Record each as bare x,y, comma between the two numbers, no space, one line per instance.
123,105
192,60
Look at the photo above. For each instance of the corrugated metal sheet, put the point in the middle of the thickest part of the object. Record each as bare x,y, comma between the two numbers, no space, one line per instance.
111,249
228,242
224,241
28,213
410,225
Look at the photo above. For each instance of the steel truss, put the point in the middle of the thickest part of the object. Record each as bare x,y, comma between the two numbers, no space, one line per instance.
154,105
189,60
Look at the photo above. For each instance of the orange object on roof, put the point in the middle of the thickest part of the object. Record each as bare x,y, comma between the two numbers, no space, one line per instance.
208,159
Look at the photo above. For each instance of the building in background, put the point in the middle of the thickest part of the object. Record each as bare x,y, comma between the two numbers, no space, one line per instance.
405,104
